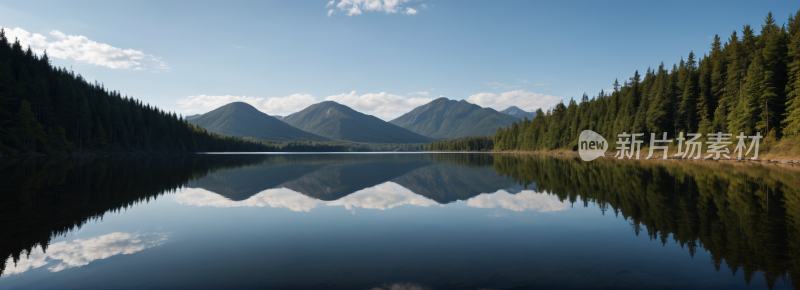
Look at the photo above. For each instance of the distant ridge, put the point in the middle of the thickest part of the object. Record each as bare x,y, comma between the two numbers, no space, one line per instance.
444,118
240,119
519,113
192,117
337,121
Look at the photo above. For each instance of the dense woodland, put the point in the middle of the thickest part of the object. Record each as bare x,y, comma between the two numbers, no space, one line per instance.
462,144
748,83
49,110
335,146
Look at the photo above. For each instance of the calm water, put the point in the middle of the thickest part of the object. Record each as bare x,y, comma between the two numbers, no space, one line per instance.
396,221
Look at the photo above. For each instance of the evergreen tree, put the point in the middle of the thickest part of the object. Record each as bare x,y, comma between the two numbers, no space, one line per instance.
792,121
687,114
28,130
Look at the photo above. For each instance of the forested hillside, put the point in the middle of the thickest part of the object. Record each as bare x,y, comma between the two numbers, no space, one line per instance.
49,110
748,83
443,118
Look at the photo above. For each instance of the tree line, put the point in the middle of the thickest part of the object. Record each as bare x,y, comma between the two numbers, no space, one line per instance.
750,83
461,144
50,110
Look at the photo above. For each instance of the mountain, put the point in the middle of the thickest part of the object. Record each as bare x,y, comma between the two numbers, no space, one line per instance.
192,117
278,117
243,120
336,121
443,118
519,113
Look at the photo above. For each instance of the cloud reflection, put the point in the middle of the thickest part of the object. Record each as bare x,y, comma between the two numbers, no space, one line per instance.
524,200
382,196
81,252
279,197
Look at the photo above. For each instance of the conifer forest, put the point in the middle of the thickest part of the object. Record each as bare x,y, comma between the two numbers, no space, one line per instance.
749,82
50,110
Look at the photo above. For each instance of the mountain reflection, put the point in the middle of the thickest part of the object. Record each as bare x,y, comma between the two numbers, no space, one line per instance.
338,179
747,216
81,252
383,196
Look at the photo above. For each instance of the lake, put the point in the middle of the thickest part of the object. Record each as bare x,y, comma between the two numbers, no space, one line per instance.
396,221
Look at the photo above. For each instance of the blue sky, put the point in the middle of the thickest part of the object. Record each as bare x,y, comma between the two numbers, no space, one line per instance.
192,56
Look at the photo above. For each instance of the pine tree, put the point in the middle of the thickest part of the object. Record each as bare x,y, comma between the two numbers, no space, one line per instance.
773,85
792,121
28,130
687,114
748,109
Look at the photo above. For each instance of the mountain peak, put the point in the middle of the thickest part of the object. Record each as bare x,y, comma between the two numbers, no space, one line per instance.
337,121
443,118
519,113
241,119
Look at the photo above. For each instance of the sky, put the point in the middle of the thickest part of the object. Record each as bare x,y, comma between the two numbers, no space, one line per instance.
380,57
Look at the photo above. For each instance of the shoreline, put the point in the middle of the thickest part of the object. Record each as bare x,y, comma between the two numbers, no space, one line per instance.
659,157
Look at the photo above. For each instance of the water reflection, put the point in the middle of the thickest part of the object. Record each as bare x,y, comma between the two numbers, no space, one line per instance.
80,252
524,200
278,197
746,215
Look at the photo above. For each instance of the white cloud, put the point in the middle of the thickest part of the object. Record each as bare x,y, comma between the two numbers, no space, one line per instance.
81,252
354,7
330,12
82,49
419,93
423,6
330,3
272,106
524,200
382,105
527,101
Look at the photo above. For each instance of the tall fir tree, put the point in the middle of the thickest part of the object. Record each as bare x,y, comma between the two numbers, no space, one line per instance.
792,120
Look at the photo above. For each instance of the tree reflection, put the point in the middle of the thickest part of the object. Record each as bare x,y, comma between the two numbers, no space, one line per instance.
746,215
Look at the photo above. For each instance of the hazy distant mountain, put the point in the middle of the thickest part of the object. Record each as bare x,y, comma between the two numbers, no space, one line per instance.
336,121
192,117
278,117
243,120
519,113
443,118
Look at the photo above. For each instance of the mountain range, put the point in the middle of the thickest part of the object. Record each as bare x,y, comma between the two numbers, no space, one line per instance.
444,118
519,113
240,119
440,119
336,121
